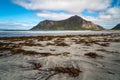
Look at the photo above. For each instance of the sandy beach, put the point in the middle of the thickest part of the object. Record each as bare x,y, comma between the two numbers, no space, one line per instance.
67,57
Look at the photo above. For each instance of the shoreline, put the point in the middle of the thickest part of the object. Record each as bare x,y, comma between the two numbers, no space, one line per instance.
55,35
50,33
66,57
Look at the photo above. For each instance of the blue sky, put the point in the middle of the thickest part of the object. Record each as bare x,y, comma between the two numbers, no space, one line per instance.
24,14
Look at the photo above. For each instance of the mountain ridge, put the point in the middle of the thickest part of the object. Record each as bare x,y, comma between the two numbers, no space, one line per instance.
117,27
72,23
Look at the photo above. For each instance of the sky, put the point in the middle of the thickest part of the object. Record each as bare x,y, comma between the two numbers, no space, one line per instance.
24,14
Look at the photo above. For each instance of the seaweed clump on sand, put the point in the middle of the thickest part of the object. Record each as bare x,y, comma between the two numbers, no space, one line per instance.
103,44
73,72
37,66
61,44
24,52
93,55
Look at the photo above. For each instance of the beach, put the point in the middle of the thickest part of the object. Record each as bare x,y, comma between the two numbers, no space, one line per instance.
61,57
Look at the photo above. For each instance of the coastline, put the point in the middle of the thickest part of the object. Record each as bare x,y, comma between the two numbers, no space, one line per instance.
60,57
52,33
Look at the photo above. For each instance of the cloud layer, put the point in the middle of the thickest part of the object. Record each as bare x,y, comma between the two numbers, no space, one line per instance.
60,9
67,5
8,25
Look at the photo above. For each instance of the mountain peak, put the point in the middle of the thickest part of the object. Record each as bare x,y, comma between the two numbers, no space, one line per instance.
73,23
75,17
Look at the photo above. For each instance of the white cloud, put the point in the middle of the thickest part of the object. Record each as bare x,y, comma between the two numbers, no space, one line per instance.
108,19
9,25
54,16
111,16
107,16
67,5
111,13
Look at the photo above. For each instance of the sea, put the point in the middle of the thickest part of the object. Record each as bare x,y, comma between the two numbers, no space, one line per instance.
48,33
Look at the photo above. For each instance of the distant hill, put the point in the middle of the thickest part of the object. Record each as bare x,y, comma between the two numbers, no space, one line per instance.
117,27
72,23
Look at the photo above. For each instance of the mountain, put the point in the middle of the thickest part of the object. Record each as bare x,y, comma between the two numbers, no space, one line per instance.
117,27
72,23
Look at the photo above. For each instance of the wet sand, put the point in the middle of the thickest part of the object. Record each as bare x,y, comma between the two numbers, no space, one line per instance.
68,57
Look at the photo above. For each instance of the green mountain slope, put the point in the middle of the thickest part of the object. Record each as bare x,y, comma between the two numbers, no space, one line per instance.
72,23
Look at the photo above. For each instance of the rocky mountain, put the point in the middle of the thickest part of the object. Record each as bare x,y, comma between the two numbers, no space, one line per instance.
72,23
117,27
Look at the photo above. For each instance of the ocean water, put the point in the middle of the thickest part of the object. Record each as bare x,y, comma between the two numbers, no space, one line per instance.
43,33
